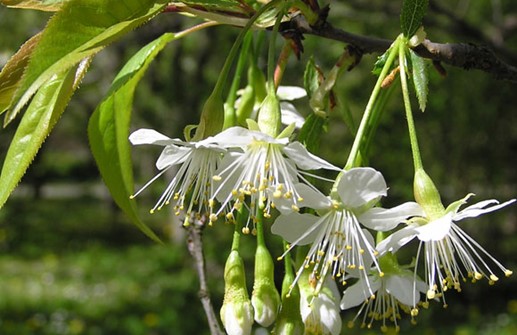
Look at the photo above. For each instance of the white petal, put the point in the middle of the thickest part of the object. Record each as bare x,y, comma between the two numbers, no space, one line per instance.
382,219
435,230
172,155
290,92
290,115
478,209
305,160
233,137
359,293
358,186
149,136
396,240
312,197
401,287
292,226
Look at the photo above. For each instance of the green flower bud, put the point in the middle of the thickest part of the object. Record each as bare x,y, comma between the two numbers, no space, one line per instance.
265,298
246,105
269,115
289,321
427,195
237,311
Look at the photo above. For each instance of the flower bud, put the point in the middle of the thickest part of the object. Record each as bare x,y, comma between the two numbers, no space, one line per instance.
269,115
289,321
427,195
237,311
265,298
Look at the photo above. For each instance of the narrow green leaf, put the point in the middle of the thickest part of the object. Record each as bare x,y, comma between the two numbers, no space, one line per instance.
311,77
108,130
80,29
12,72
312,129
44,5
413,11
420,79
41,116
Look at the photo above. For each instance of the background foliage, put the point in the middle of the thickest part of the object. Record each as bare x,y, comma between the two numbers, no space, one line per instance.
70,263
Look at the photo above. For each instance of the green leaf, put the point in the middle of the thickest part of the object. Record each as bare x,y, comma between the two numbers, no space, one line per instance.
379,63
420,79
80,29
41,116
312,129
44,5
12,72
413,11
108,130
312,77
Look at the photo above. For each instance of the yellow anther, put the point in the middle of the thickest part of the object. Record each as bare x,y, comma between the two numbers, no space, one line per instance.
131,197
213,217
295,208
478,275
151,211
431,294
217,178
245,230
381,274
277,194
211,203
508,273
494,278
414,312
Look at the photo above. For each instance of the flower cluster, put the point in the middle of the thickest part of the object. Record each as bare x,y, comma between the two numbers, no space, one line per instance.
241,168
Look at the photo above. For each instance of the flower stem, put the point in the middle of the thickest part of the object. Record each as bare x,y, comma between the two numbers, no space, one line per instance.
230,119
417,160
237,230
271,59
219,86
354,157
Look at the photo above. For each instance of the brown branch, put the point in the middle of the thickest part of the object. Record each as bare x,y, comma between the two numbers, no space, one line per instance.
195,247
463,55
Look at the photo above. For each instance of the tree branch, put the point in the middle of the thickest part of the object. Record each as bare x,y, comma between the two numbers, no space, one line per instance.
463,55
195,247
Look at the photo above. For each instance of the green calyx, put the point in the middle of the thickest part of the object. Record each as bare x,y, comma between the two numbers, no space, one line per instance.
212,118
427,195
269,115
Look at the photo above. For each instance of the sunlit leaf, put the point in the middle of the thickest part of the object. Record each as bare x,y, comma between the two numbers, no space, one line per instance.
44,5
420,79
80,29
413,11
12,72
108,130
41,116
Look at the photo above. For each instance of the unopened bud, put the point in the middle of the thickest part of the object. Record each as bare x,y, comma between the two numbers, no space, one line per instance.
237,311
265,298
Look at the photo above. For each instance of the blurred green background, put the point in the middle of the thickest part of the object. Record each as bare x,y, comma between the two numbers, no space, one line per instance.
70,263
